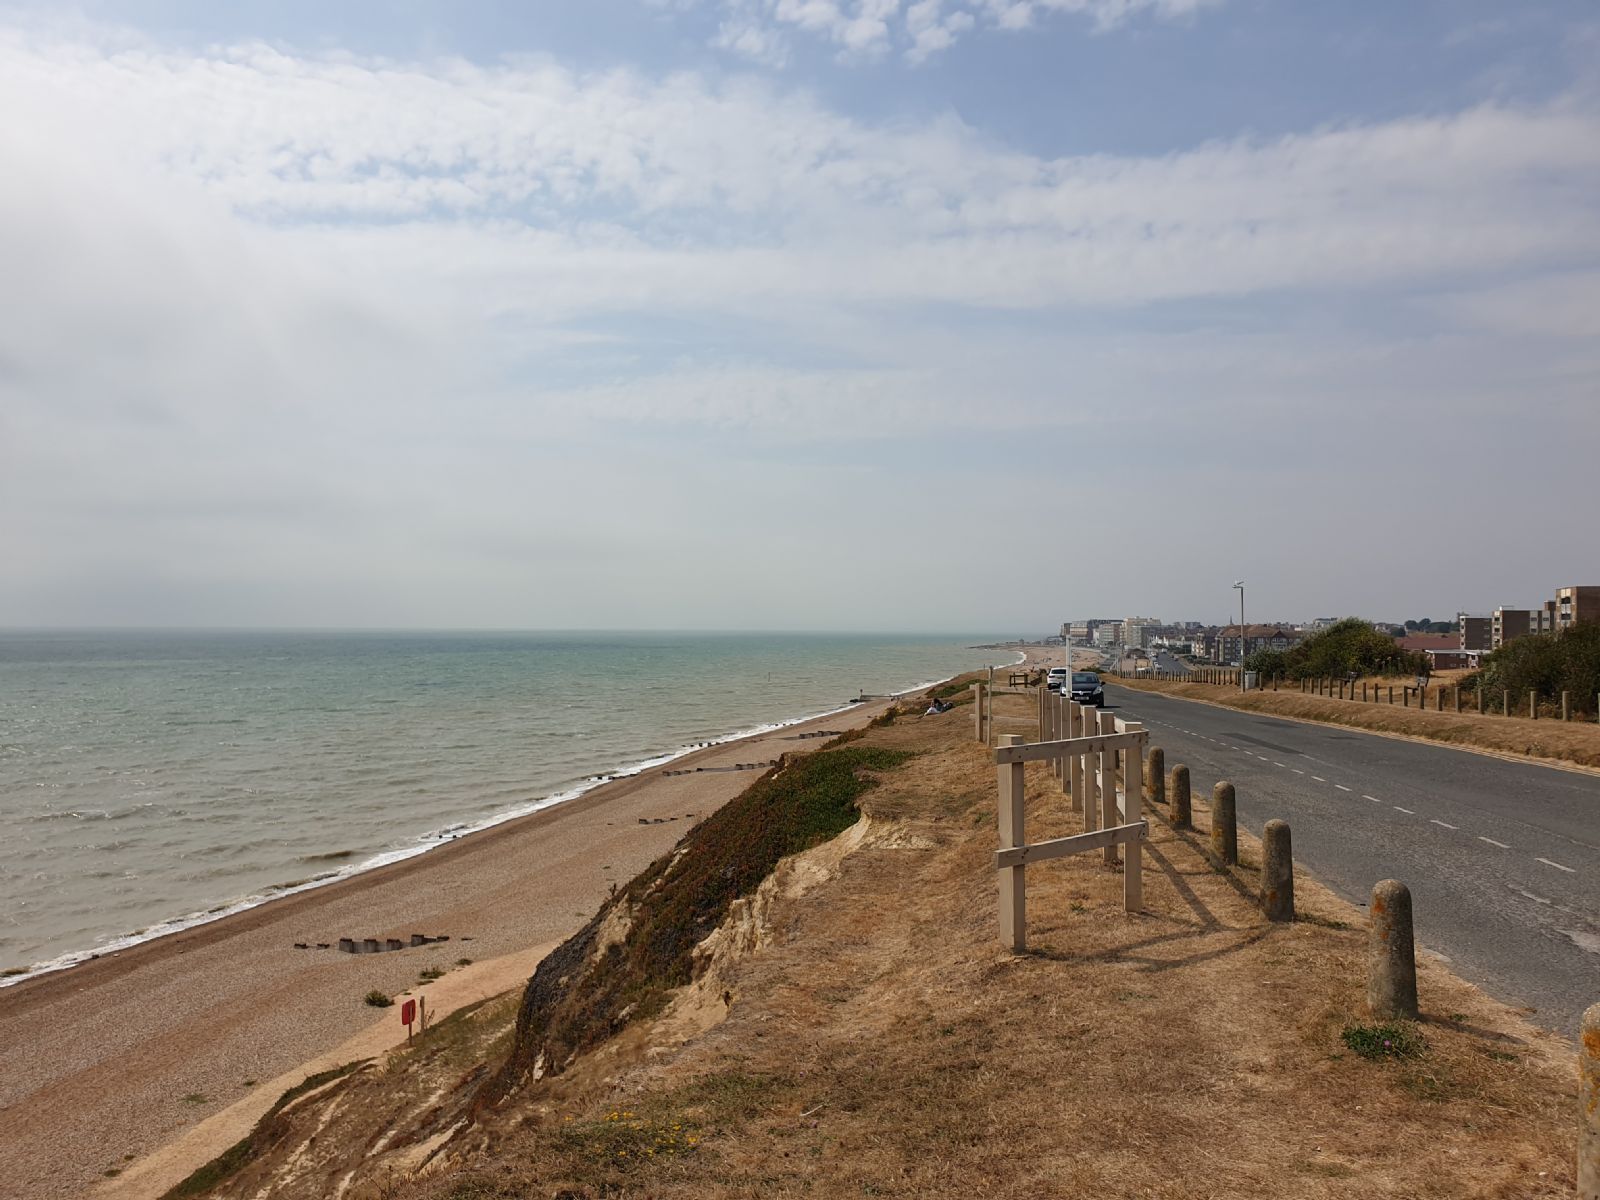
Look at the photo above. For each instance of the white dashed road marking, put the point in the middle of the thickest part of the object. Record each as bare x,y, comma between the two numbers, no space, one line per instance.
1341,787
1279,764
1557,866
1492,842
1446,824
1408,811
1374,799
1297,770
1319,779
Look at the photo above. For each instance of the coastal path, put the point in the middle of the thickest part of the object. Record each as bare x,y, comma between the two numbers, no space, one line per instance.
1502,857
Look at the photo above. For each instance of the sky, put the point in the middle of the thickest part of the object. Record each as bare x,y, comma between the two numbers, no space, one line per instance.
795,314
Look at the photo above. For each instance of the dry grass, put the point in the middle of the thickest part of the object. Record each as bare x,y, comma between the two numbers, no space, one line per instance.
1559,741
888,1046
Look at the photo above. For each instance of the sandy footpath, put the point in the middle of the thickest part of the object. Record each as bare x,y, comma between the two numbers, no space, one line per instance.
112,1060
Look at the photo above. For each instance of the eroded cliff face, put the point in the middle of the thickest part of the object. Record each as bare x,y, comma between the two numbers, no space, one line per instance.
653,968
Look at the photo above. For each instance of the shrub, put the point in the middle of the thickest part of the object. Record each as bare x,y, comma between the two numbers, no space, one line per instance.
1549,664
378,999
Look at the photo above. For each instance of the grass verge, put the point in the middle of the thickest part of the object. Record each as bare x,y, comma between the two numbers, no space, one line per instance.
1558,741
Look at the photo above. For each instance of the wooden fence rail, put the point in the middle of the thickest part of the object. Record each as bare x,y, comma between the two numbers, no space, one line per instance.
1100,762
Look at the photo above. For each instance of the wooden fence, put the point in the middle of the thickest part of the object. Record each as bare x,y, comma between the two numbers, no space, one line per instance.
1099,759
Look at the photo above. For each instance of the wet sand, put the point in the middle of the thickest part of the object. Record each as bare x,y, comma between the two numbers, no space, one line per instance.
108,1062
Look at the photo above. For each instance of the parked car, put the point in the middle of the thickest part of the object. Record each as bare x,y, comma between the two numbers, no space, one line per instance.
1056,679
1087,689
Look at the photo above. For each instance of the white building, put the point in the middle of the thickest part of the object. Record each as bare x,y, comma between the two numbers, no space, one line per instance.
1136,631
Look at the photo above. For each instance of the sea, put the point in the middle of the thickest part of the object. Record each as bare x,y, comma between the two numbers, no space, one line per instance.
150,781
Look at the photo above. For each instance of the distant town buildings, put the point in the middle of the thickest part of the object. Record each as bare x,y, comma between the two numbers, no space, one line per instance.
1137,631
1443,649
1571,605
1226,646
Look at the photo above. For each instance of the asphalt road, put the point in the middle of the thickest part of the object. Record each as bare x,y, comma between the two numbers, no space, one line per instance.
1502,858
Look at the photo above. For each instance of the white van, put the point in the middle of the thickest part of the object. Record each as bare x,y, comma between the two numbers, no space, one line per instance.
1056,679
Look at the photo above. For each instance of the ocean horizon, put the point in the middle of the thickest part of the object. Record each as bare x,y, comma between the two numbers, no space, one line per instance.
153,779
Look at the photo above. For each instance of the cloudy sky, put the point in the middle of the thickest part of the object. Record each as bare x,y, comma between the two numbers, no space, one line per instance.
816,314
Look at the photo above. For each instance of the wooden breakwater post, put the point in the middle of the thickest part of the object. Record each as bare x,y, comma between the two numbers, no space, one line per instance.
1277,872
1180,816
1589,1104
1391,953
1224,824
1156,773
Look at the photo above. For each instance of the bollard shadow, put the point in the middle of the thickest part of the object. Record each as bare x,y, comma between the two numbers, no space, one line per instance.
1201,845
1150,964
1208,919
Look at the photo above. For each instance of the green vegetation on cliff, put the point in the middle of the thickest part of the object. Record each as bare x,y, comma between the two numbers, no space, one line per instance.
577,998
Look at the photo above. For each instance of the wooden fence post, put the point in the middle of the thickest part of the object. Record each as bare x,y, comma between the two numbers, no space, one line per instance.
1455,696
1391,953
1566,707
1075,761
1108,783
1277,872
977,713
1224,824
1156,772
1044,708
1533,705
1013,880
1089,765
1133,813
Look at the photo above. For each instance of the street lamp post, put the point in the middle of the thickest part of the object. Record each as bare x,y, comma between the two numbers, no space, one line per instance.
1239,583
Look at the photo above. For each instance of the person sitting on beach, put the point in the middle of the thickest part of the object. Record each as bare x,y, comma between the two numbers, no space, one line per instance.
938,706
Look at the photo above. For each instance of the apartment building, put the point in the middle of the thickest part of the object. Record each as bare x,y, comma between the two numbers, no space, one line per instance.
1225,649
1137,631
1507,624
1574,604
1477,632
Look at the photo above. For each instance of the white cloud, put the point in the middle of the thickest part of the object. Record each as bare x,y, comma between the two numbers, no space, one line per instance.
329,318
864,30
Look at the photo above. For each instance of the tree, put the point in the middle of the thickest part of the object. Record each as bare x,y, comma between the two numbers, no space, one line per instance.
1351,646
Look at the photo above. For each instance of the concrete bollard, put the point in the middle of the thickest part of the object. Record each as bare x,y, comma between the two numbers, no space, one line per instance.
1155,771
1277,872
348,945
1224,824
1180,797
1391,953
393,944
1589,1104
369,945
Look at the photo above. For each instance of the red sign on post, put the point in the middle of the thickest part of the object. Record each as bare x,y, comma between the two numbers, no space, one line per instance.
408,1013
